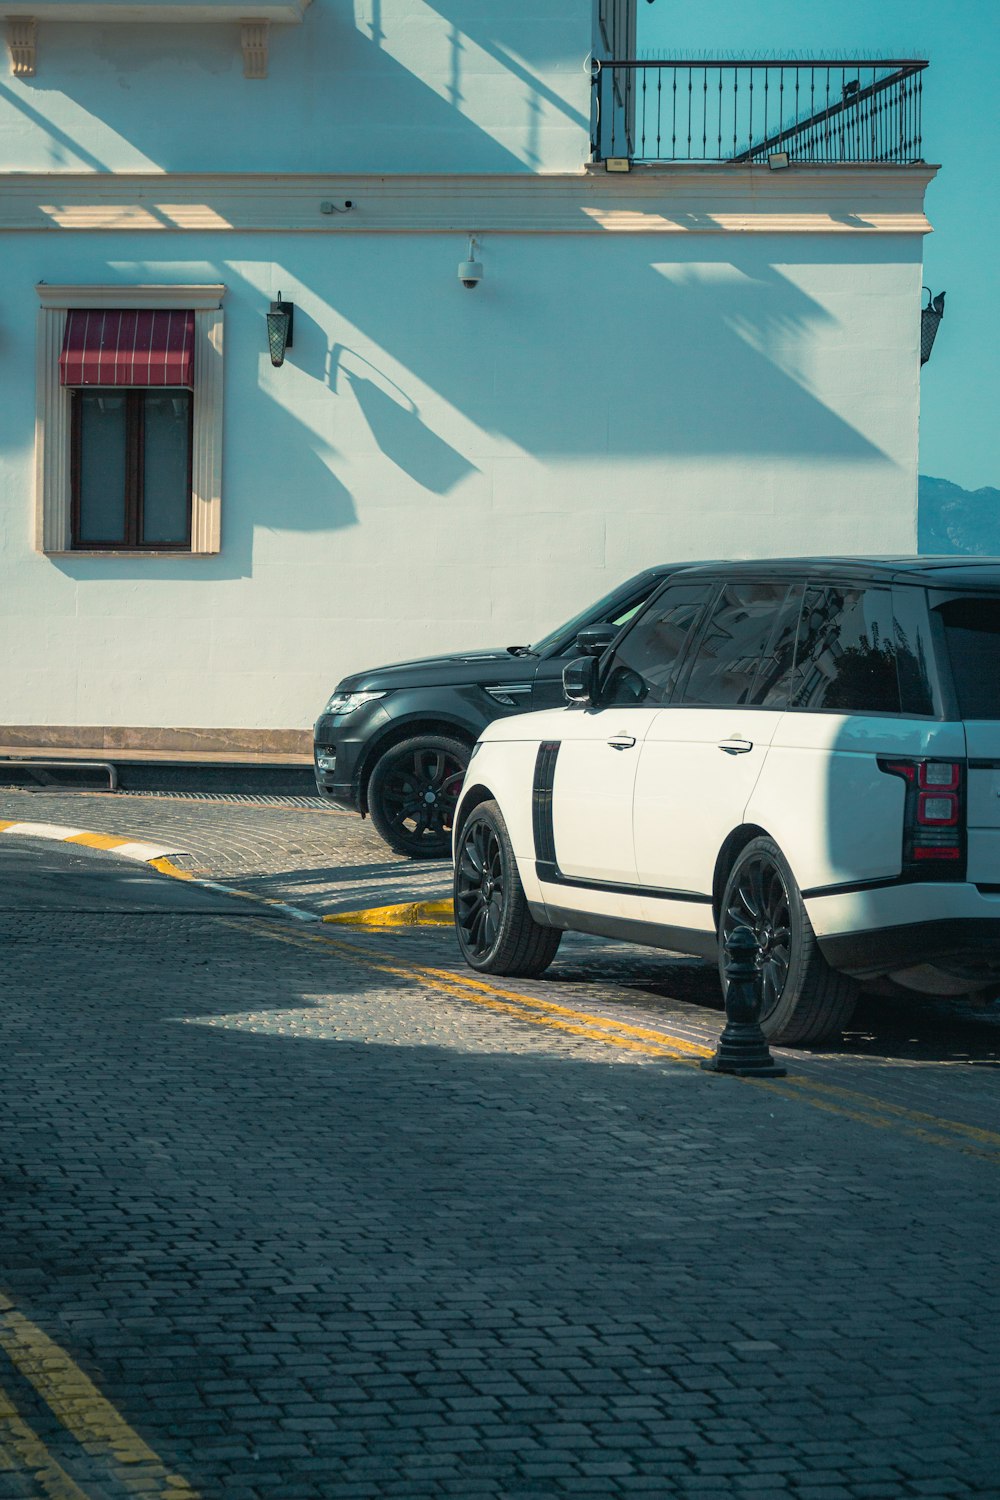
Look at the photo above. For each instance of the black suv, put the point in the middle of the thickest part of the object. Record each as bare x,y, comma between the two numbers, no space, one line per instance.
395,741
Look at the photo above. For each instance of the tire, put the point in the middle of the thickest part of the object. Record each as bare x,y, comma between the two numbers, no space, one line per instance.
496,932
804,1000
412,792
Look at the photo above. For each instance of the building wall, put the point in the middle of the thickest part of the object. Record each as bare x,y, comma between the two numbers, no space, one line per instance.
359,86
661,364
434,468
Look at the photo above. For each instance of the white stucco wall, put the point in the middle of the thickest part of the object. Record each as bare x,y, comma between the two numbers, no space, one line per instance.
436,468
359,86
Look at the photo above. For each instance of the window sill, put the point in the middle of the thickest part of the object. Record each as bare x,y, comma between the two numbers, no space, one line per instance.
173,552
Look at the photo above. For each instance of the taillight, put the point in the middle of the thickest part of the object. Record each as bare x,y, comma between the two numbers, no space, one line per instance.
934,842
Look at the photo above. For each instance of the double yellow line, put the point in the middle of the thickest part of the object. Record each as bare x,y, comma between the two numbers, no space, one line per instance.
850,1104
91,1420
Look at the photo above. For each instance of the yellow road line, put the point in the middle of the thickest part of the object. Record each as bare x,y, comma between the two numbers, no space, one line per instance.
22,1450
849,1104
87,1415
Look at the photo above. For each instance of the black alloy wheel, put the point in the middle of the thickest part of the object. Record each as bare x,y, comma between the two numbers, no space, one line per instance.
479,889
802,998
759,900
493,923
413,791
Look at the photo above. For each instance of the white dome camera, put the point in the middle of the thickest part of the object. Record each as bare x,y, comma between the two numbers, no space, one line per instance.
470,272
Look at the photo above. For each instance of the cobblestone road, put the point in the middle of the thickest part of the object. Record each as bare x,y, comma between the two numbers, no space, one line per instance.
291,1216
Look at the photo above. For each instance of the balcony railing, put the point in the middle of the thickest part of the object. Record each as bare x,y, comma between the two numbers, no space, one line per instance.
821,113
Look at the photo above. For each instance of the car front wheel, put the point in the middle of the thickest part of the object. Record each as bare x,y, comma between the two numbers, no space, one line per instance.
496,932
803,999
412,793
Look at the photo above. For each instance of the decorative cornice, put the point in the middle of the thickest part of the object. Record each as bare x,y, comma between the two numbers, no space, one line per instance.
205,298
254,36
22,39
728,200
187,12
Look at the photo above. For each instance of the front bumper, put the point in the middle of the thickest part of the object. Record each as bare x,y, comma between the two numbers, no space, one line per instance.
869,933
339,745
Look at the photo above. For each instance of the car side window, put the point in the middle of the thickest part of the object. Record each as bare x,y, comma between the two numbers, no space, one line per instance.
644,667
846,655
746,650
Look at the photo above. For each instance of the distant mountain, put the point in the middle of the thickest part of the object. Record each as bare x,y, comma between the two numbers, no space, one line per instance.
953,520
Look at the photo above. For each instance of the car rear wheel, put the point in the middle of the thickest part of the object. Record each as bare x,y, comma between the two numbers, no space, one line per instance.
496,932
804,1000
412,793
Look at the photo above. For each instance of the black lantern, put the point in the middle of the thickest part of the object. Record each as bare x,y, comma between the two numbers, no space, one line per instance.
930,317
279,330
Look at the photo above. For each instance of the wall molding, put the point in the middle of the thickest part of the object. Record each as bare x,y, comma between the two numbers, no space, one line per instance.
719,200
53,529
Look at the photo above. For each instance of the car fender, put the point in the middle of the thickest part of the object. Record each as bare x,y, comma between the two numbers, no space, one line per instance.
503,772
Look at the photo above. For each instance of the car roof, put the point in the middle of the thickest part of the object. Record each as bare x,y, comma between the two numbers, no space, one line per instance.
930,572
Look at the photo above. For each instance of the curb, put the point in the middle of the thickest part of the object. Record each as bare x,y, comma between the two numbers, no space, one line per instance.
409,914
137,849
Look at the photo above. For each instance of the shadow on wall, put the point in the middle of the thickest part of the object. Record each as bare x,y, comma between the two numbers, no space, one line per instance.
394,420
953,520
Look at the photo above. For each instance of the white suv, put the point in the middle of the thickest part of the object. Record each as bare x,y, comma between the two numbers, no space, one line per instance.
808,747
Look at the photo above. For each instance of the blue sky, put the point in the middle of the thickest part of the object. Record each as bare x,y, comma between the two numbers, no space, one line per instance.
960,404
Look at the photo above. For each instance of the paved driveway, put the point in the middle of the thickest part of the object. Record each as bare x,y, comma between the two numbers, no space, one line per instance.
290,1212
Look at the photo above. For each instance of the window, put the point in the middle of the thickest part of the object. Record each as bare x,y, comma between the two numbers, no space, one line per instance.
746,649
972,631
644,668
128,453
131,468
846,655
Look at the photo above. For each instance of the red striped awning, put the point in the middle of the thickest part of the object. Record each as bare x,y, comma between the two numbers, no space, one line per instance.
105,346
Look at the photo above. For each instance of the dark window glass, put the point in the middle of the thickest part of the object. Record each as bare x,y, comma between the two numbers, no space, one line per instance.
846,657
914,651
101,456
166,488
131,468
731,651
972,631
774,679
644,667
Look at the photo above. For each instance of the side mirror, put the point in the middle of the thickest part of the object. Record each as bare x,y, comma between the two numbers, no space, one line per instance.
580,680
593,640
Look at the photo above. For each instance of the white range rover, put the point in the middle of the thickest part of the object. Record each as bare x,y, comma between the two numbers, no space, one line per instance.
808,747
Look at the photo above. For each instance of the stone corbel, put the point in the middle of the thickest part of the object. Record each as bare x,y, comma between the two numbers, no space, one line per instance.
22,33
254,36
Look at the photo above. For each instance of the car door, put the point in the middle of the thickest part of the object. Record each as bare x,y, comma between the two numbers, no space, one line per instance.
593,772
702,755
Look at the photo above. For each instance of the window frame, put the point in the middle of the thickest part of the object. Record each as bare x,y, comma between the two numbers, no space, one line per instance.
54,519
134,499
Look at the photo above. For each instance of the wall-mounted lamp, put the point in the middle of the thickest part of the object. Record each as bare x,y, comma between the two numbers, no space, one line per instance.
778,160
279,330
930,317
470,272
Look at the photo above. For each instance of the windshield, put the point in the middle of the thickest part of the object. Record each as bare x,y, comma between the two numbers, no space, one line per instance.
617,608
972,631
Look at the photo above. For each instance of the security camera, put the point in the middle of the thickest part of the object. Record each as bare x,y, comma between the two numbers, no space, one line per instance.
470,273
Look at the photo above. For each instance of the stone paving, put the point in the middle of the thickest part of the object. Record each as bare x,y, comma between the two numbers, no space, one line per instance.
319,1231
328,859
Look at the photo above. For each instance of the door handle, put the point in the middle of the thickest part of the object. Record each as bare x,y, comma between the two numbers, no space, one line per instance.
736,746
622,741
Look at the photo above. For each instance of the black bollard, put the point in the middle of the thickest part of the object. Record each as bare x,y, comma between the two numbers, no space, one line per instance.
742,1048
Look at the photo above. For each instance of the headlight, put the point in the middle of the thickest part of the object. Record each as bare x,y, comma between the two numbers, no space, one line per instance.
346,703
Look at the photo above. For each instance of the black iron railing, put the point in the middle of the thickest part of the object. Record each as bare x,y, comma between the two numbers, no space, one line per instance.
716,111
